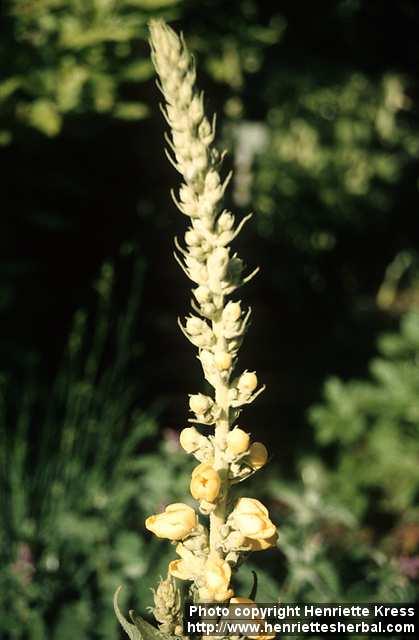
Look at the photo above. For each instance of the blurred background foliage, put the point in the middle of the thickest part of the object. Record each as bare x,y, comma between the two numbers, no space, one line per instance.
320,114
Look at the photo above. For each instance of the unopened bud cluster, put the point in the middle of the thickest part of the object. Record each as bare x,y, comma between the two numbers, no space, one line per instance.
168,607
207,557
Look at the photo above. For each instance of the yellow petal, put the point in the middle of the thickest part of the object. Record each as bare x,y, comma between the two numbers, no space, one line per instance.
250,505
178,570
261,544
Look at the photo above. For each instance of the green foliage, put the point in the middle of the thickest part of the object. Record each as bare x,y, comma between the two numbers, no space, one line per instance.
325,555
73,501
374,426
337,144
73,506
74,57
91,56
141,629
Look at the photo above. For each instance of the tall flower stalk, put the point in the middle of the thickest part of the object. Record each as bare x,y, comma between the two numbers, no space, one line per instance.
208,556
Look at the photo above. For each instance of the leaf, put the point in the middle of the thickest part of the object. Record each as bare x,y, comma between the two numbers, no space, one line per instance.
136,71
131,110
132,631
254,590
147,631
43,115
141,629
8,87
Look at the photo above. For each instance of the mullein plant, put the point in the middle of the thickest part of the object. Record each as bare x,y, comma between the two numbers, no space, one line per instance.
207,555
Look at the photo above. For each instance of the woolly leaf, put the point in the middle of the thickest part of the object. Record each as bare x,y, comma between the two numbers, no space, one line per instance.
131,630
146,630
140,630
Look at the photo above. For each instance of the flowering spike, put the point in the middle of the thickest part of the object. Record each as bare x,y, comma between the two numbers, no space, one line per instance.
208,558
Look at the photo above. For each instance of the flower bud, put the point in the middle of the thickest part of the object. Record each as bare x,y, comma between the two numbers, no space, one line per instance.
207,211
192,238
237,441
205,131
211,374
212,180
208,309
207,360
222,360
190,170
200,404
202,294
190,209
192,263
232,312
198,149
185,93
190,439
203,340
167,605
175,523
183,155
225,221
180,138
247,382
198,273
198,252
195,326
173,112
205,483
183,62
182,123
258,455
196,110
186,193
171,85
218,262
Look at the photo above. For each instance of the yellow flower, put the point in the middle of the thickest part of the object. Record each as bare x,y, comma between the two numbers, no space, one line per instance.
178,569
251,518
205,483
189,567
216,578
190,439
247,601
175,523
237,441
258,455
